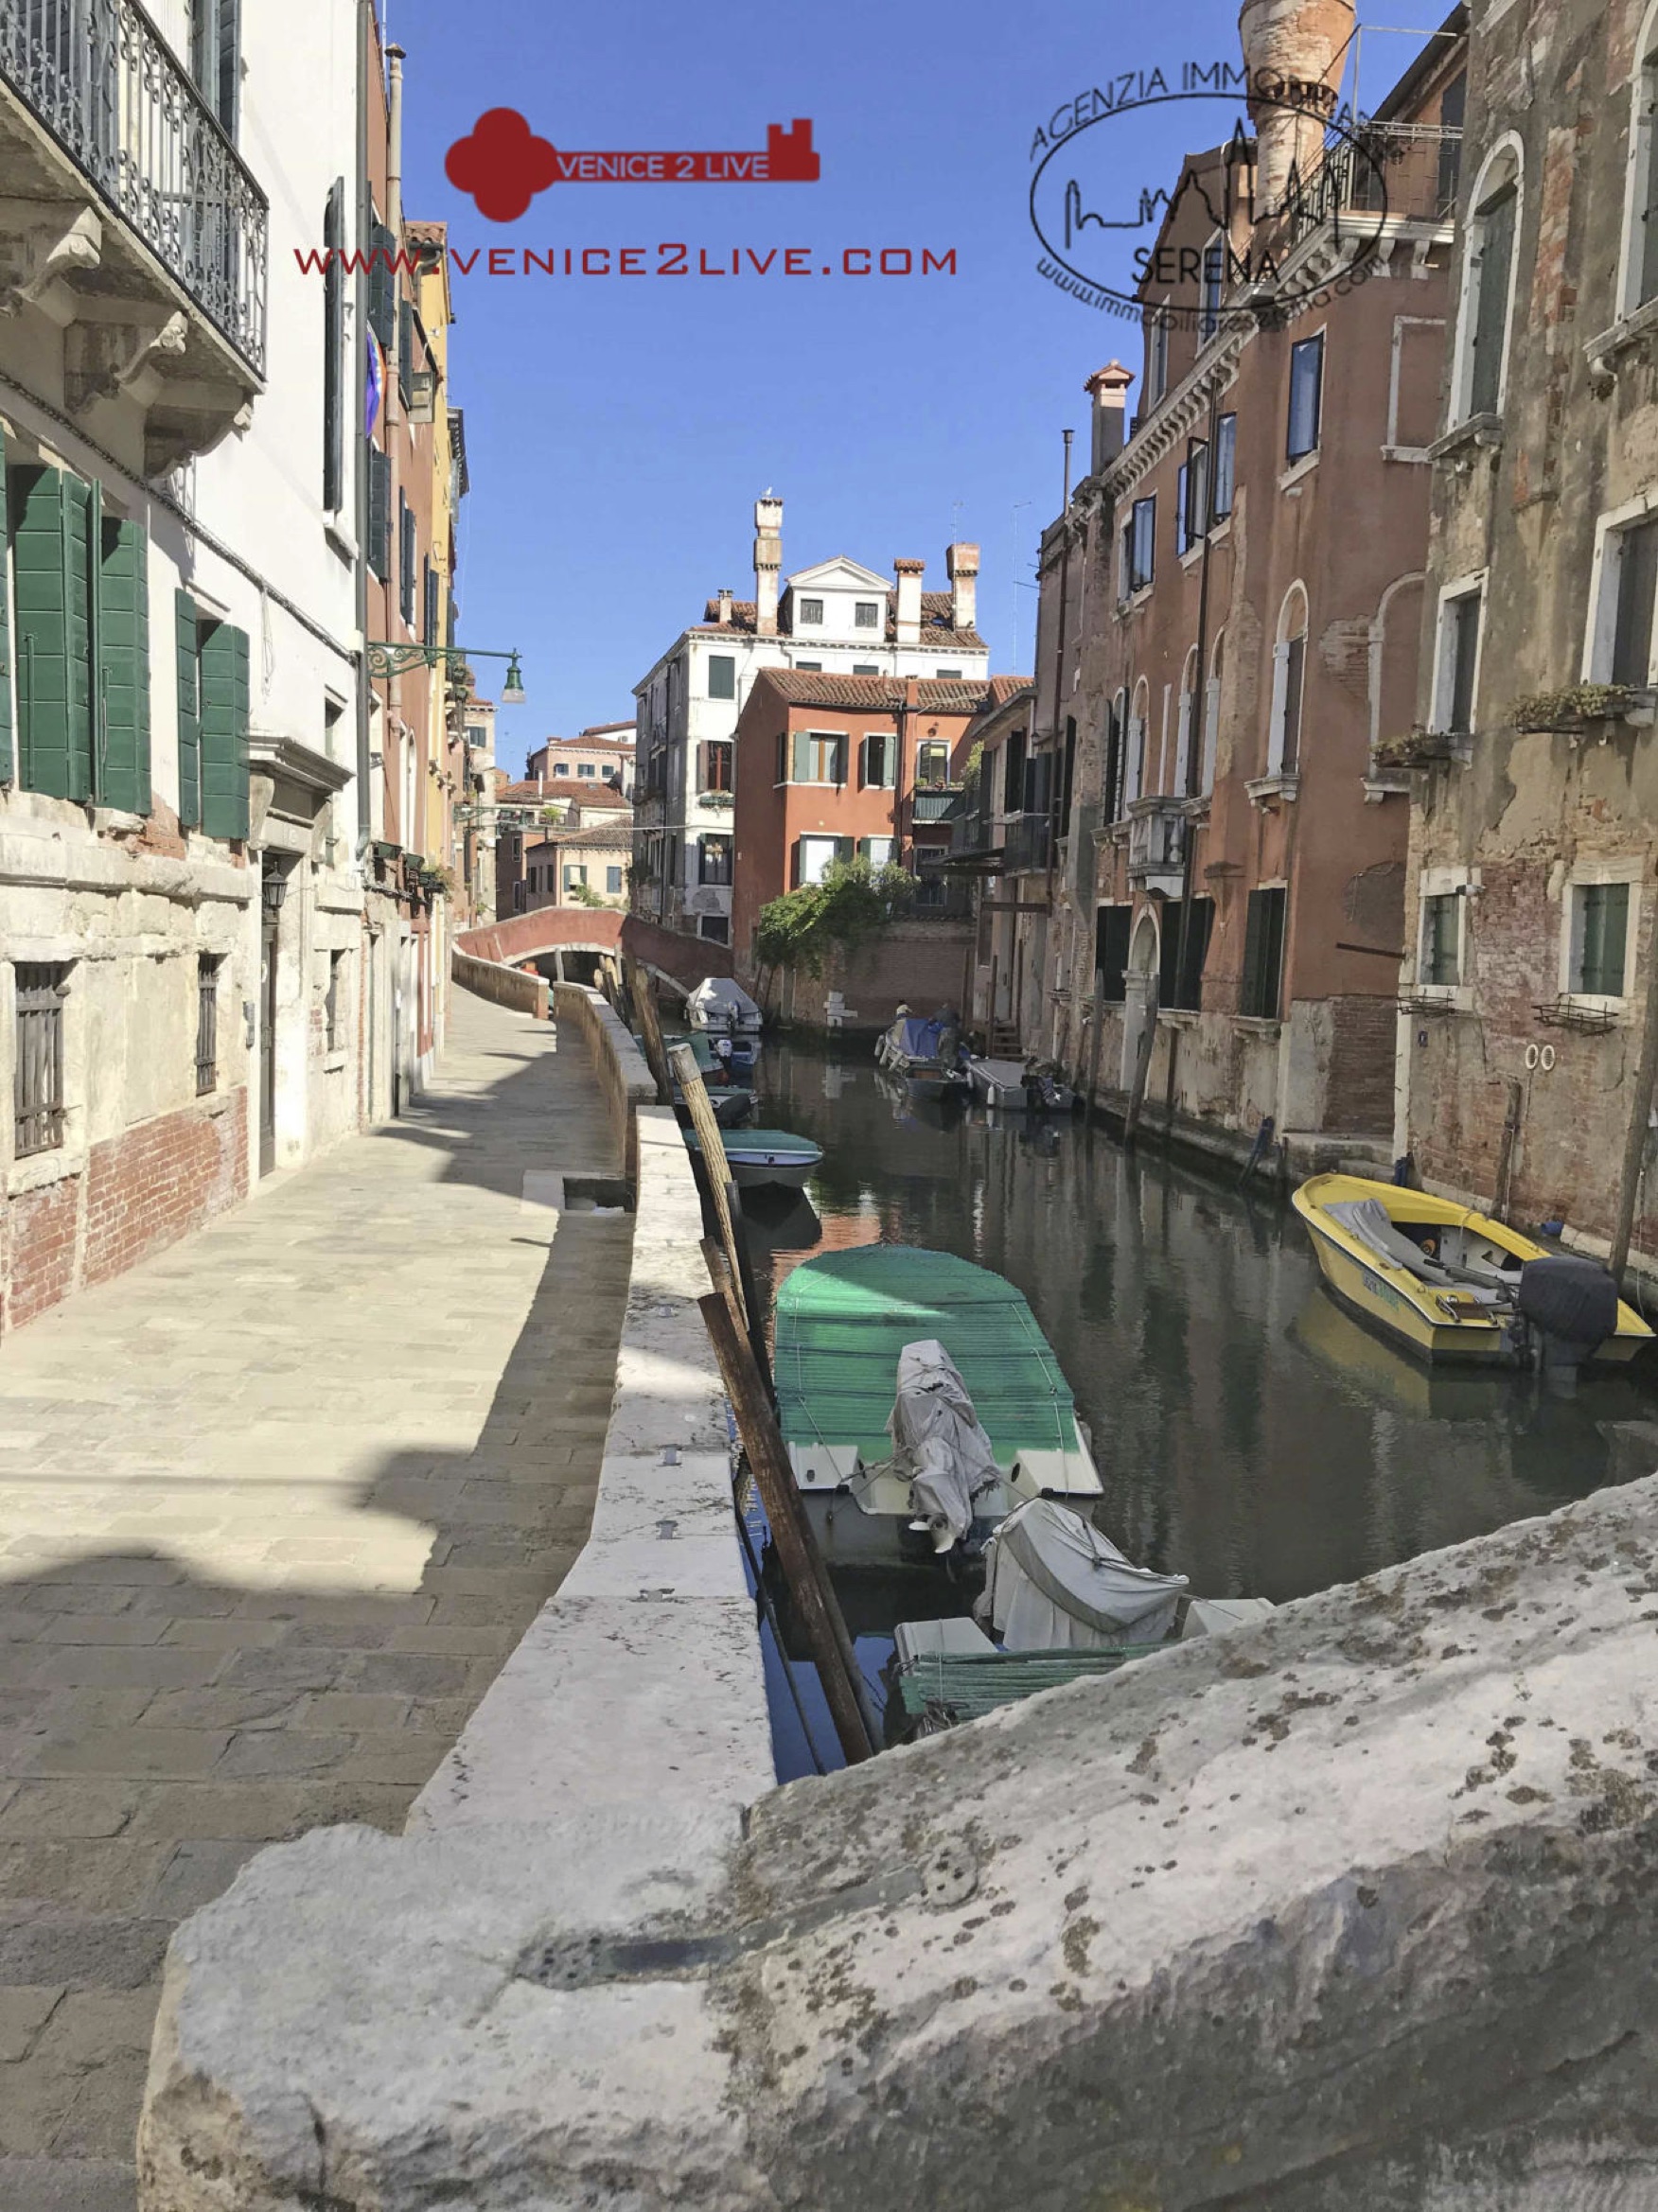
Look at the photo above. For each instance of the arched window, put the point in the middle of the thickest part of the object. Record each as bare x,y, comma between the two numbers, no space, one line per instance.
1211,715
1487,284
1187,706
1289,666
1116,757
1140,724
1639,281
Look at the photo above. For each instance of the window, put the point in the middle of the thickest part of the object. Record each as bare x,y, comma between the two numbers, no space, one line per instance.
722,676
876,850
810,667
406,571
713,860
1440,964
717,765
1488,284
1226,466
954,672
1641,245
560,768
715,928
1459,664
216,58
612,881
1306,396
429,611
1116,731
817,758
866,615
213,695
1289,668
334,1003
1013,774
38,1084
865,668
586,769
1636,551
811,612
1214,285
518,897
573,874
877,761
207,1022
815,856
1183,510
1599,942
1263,955
1212,716
334,350
380,513
1195,493
1125,565
1180,983
932,765
1112,925
1142,539
1156,354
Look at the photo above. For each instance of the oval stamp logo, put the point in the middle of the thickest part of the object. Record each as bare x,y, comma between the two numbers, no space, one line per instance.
1106,195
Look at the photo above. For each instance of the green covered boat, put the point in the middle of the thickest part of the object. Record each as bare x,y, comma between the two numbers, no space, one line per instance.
842,1322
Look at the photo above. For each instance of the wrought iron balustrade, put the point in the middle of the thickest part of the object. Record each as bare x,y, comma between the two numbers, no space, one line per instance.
942,803
103,79
1027,843
1398,170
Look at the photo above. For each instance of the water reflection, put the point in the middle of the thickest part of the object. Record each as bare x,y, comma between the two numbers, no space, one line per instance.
1247,1433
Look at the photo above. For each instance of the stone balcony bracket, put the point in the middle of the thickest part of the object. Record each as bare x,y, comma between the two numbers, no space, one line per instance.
1602,352
1269,792
1462,441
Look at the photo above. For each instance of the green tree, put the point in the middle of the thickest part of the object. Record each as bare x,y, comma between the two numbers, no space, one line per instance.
855,902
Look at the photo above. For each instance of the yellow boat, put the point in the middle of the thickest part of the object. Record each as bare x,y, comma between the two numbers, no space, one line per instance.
1448,1283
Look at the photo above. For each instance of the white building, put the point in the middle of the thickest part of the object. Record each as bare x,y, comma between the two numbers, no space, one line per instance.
184,939
838,617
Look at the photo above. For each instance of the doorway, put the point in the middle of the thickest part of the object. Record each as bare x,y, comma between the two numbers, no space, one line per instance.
269,917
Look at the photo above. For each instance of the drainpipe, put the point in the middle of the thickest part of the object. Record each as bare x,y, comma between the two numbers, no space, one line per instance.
1055,754
358,447
388,411
1195,749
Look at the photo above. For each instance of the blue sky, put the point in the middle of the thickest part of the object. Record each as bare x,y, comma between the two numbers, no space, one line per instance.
620,429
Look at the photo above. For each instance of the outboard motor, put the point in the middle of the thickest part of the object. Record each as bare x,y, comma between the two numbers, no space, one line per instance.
1570,1304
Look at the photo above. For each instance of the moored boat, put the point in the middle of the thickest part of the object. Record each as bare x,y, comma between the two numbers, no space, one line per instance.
1449,1283
760,1157
923,1055
732,1103
724,1008
885,1353
1018,1086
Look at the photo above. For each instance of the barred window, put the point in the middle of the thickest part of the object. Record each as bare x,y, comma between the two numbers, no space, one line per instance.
207,965
39,1081
334,1003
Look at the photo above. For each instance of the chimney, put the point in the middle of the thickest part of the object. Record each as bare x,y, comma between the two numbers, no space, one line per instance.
962,567
1108,389
1294,54
767,563
908,608
725,606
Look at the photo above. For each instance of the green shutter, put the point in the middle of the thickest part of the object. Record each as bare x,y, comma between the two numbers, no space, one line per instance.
50,517
845,848
1251,993
7,760
405,348
383,284
189,711
803,758
379,512
123,653
225,731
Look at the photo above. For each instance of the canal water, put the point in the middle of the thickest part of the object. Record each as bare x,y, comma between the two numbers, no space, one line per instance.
1247,1432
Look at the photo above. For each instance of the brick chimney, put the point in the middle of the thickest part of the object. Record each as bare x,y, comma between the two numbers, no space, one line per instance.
1108,389
908,601
725,606
767,563
962,567
1294,54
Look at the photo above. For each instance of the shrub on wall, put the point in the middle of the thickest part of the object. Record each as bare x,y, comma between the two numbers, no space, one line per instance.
855,902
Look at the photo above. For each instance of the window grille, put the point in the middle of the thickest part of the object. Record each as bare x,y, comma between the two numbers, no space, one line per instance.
206,1023
39,1081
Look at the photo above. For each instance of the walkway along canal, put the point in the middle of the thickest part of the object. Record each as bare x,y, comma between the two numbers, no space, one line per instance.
1248,1433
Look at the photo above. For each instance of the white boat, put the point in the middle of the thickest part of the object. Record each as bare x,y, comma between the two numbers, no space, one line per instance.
723,1008
1004,1083
760,1157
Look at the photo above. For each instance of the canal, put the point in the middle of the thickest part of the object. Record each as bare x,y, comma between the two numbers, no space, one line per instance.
1248,1434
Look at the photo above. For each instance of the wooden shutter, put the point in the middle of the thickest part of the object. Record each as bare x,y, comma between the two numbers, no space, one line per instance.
123,653
380,513
801,771
845,848
7,759
405,346
50,517
186,638
334,351
383,284
1249,996
1111,932
225,731
1490,322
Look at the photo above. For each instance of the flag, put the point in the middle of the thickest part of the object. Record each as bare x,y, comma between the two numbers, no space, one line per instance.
376,385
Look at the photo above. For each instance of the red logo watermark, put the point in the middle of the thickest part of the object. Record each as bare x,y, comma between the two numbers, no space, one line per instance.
502,163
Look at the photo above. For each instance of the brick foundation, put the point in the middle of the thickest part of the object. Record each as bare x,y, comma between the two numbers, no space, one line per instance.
137,1193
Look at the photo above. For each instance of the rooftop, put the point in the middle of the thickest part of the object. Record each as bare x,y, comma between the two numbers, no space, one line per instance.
876,693
936,626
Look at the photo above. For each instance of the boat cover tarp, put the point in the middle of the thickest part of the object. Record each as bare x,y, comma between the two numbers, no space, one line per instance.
844,1317
916,1039
937,1446
717,1003
1054,1583
1368,1219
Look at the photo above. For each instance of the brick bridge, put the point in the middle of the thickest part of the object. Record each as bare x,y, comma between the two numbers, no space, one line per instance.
681,960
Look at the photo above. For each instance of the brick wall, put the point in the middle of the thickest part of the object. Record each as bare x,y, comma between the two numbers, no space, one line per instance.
1359,1100
923,965
137,1193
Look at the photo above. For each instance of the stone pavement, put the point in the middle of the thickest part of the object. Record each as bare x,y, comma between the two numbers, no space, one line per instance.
274,1508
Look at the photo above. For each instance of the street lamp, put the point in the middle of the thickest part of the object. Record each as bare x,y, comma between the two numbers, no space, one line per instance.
388,659
512,691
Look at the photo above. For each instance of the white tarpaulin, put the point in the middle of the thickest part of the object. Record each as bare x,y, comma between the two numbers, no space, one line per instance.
1054,1583
937,1446
718,1004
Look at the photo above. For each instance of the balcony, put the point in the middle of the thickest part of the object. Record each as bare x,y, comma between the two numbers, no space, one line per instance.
940,802
1157,830
1402,172
130,222
1027,843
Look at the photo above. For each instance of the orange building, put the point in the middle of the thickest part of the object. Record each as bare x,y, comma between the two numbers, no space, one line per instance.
838,768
